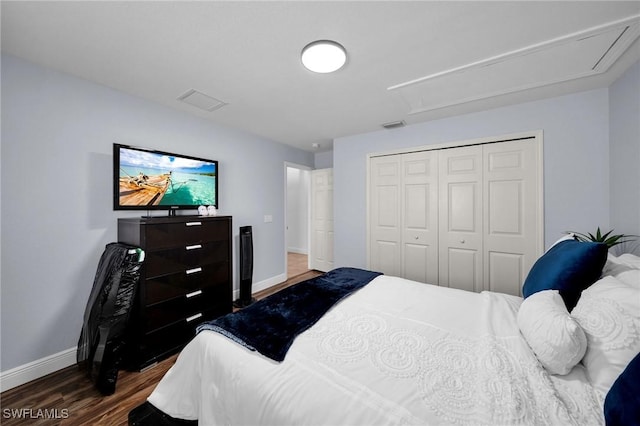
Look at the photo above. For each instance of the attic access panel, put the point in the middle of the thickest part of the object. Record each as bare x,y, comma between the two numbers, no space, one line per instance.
574,56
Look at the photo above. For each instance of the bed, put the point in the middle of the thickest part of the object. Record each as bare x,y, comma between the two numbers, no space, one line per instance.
400,352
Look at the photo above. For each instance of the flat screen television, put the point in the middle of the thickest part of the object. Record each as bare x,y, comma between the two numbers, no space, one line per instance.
145,179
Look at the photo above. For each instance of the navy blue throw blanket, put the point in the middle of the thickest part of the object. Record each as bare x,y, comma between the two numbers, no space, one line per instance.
270,325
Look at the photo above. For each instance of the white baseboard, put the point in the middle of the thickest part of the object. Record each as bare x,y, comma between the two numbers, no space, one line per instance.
263,285
39,368
297,250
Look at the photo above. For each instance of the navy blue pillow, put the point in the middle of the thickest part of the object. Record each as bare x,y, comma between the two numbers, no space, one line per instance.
622,404
569,267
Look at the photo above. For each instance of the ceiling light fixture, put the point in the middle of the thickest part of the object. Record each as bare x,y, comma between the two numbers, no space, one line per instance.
324,56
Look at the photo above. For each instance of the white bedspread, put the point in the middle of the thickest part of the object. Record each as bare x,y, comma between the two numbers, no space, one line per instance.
395,352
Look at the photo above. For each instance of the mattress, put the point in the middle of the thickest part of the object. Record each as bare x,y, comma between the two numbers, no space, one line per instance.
394,352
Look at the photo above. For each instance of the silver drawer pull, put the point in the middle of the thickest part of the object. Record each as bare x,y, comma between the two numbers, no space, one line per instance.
193,271
194,317
194,247
193,223
195,293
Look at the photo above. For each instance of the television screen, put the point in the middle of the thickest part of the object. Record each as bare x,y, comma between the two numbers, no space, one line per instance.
145,179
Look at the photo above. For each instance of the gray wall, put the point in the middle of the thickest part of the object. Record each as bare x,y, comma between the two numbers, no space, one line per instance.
576,163
56,208
624,131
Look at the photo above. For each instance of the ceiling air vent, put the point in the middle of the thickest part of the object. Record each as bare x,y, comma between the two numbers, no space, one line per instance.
200,100
394,124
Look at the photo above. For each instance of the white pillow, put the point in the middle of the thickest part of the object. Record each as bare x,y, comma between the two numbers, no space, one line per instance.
630,259
609,314
554,336
625,268
569,236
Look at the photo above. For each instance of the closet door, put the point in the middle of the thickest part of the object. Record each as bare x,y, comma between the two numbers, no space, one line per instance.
420,216
510,214
460,218
385,251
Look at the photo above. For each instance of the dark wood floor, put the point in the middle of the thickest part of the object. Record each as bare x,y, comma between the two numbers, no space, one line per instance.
67,397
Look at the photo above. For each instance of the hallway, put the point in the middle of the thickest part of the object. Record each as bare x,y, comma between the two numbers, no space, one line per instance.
296,264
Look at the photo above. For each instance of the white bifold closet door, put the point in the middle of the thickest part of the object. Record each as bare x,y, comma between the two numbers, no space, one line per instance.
404,215
464,217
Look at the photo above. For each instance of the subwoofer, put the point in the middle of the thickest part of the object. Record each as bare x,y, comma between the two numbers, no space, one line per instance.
246,267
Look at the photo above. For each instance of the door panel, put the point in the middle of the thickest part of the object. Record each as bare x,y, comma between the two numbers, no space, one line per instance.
321,245
460,226
462,269
420,216
510,214
384,211
503,267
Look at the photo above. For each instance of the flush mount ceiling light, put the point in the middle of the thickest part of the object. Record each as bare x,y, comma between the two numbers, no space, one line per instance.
323,56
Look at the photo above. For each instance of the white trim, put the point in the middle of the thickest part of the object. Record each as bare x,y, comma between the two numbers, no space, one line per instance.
50,364
455,144
298,250
39,368
286,249
263,285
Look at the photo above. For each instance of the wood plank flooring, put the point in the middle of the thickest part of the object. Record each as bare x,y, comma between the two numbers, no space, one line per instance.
67,397
296,264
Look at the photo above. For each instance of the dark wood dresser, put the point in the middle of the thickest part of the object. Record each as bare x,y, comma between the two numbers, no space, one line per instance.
186,279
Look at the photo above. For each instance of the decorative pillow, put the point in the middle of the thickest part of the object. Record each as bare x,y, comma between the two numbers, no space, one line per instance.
609,314
622,404
557,340
569,267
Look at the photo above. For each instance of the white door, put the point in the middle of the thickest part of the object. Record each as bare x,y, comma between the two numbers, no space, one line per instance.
510,214
385,234
460,218
321,244
466,217
420,216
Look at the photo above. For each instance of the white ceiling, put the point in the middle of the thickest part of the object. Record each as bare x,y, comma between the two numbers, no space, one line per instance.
413,61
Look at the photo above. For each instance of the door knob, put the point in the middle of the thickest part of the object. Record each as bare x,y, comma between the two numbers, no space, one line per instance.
461,241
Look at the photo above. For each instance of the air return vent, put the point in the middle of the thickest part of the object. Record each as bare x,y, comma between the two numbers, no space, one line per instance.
394,124
200,100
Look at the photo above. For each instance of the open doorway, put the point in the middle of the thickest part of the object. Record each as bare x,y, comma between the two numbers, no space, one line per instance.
297,197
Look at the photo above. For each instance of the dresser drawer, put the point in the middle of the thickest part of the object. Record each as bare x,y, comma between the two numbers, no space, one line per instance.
165,235
180,259
162,342
179,284
191,305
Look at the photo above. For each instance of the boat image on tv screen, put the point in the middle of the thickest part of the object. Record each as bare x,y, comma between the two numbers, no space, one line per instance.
149,179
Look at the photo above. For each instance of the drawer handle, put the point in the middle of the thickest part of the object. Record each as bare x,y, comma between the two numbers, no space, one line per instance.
194,247
193,223
194,317
194,293
193,271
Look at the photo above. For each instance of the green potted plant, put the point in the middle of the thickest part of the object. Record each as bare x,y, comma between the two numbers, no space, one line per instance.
606,238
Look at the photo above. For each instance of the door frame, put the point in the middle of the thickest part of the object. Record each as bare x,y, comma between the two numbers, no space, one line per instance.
536,135
286,219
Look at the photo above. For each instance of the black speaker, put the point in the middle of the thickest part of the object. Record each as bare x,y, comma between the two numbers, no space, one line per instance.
246,267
